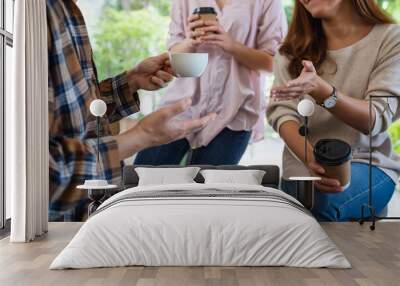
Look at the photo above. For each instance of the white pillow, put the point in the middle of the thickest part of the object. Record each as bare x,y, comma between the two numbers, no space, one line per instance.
243,177
166,176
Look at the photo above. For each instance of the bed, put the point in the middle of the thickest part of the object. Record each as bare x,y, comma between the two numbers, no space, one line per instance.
201,224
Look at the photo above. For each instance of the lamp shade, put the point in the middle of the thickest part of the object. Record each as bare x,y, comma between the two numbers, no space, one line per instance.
98,108
306,108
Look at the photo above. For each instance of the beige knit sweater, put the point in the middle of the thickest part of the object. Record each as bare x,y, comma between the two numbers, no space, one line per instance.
369,67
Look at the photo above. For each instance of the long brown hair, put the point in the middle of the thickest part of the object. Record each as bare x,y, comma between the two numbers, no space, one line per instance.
306,39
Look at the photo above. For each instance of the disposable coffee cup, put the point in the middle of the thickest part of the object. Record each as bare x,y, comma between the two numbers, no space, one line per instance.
335,157
206,14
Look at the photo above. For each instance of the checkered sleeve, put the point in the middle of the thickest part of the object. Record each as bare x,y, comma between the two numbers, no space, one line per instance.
120,98
73,161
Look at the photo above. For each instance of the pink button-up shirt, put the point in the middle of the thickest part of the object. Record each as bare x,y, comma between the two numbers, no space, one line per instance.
227,87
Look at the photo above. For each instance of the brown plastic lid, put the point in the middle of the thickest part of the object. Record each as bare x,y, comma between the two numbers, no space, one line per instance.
204,10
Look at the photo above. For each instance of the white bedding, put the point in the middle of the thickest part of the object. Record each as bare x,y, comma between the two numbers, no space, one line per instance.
185,230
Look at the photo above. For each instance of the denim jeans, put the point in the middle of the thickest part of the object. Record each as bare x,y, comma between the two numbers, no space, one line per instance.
346,206
226,149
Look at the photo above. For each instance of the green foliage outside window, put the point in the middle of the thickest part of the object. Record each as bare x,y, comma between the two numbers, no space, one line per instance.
125,37
394,132
392,7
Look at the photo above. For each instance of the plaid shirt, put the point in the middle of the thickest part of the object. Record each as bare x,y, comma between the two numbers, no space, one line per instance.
73,85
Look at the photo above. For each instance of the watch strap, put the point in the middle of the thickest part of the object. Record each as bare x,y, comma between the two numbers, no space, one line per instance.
333,96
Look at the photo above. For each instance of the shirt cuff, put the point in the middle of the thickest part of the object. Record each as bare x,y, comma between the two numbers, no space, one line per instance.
378,125
127,101
269,48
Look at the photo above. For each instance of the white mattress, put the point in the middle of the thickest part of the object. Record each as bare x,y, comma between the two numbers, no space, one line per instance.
185,230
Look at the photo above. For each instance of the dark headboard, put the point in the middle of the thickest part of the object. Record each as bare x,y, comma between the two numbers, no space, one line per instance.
271,179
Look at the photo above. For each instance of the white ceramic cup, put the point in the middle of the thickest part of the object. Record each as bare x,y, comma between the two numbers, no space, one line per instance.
189,64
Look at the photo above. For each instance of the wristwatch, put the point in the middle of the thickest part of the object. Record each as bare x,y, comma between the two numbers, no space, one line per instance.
331,101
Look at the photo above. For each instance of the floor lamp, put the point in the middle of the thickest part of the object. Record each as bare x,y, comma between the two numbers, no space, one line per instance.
305,185
97,188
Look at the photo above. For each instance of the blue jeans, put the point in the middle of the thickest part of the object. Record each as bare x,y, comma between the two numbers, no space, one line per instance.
227,148
346,206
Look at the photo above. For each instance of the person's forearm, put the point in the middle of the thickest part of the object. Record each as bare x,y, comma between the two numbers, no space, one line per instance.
132,80
129,145
252,58
352,111
289,132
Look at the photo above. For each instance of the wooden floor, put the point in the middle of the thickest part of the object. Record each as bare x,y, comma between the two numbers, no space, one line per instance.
375,257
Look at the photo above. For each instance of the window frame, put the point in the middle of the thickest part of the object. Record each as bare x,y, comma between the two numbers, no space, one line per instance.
6,39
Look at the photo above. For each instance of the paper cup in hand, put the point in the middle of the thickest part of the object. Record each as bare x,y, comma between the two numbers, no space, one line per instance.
335,157
189,64
206,14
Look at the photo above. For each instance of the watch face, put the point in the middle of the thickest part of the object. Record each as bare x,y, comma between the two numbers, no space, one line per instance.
330,103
